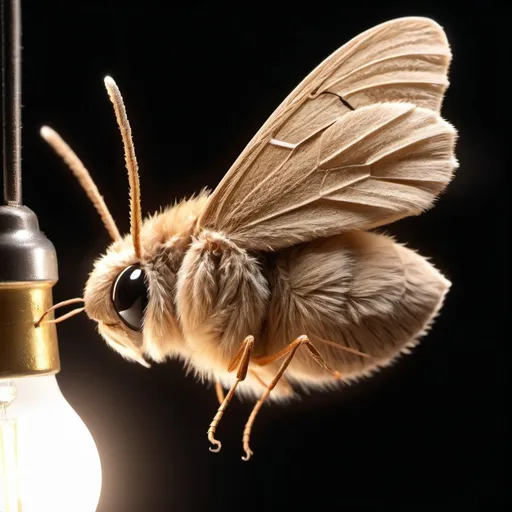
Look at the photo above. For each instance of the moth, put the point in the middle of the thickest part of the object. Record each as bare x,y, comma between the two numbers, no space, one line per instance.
277,280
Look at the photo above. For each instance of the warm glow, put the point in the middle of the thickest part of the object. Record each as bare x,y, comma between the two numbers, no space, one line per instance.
59,465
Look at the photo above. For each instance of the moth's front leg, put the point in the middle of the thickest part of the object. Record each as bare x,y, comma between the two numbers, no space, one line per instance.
221,299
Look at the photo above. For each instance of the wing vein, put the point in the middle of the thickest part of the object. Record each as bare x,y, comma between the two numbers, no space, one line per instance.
388,83
386,59
365,135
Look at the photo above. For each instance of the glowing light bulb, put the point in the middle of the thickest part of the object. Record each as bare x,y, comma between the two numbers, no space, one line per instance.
48,458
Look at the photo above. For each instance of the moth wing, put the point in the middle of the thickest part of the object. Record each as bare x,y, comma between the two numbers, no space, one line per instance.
317,167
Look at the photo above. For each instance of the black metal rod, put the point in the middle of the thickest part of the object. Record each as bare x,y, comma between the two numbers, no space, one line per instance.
11,100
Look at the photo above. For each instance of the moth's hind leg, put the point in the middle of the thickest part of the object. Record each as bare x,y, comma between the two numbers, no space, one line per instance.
289,351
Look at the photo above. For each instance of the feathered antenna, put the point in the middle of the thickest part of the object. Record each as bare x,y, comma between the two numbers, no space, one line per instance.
131,163
83,176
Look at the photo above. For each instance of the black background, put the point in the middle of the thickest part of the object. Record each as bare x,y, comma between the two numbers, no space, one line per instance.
198,80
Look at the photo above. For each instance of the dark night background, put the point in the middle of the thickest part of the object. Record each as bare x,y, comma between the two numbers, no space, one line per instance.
198,80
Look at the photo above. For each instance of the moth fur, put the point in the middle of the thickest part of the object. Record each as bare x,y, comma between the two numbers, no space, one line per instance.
361,289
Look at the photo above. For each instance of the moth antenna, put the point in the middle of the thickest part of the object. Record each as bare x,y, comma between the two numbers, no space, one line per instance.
83,176
63,317
131,162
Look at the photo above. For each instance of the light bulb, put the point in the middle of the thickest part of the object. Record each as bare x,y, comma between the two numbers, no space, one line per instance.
48,458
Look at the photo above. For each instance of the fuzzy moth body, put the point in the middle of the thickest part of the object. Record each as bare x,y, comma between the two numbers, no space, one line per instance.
275,280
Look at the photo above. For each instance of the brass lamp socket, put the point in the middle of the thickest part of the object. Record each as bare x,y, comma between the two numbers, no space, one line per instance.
28,271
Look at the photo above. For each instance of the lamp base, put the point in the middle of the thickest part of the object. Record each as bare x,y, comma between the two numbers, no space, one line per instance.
24,349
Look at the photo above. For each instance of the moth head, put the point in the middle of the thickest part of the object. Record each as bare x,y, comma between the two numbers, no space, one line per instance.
116,296
117,293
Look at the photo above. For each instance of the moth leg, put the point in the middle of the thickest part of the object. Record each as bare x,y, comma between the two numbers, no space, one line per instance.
288,351
258,378
219,392
287,386
241,358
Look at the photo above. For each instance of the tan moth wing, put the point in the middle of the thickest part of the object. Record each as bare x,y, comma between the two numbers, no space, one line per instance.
319,168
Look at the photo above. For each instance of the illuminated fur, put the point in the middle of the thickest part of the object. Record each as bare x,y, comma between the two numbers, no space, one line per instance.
361,290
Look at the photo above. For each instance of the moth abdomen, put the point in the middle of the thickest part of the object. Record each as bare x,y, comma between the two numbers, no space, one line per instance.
360,291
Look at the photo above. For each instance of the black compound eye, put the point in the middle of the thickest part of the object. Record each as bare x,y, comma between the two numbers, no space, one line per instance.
130,296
